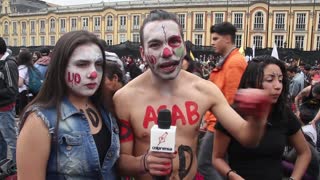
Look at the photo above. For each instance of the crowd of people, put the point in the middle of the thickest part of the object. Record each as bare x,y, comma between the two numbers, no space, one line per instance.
92,116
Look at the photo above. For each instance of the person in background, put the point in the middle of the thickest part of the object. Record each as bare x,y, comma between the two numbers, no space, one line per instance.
132,68
36,55
226,75
24,63
43,62
9,76
191,66
263,162
76,137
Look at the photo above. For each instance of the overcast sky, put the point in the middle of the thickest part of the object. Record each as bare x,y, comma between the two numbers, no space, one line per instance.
73,2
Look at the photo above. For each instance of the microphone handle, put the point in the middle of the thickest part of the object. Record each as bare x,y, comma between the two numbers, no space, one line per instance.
160,177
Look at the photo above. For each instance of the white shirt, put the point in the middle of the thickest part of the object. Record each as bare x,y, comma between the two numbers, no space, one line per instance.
23,73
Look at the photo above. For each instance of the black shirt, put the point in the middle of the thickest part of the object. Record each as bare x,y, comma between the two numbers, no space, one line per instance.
103,141
264,161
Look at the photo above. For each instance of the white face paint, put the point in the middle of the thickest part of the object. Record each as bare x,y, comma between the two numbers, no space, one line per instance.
84,71
163,48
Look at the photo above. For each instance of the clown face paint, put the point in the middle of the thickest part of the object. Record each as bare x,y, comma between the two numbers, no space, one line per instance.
163,48
84,71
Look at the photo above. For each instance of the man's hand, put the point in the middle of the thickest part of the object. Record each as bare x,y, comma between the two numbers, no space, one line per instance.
253,103
158,163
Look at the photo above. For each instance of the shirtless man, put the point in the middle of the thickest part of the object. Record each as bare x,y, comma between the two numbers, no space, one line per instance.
187,96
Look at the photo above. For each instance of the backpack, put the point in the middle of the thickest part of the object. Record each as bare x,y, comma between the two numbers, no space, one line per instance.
35,80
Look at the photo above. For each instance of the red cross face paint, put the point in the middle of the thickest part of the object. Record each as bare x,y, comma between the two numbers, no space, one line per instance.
84,70
163,48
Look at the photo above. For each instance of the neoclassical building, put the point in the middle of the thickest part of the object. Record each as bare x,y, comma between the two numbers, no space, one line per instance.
287,23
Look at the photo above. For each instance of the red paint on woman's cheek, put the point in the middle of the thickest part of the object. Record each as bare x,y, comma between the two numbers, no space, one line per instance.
74,78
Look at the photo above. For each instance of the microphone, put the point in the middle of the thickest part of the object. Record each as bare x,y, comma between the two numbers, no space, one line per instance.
163,136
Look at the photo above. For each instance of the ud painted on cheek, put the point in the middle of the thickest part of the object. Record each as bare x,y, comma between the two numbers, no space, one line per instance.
74,78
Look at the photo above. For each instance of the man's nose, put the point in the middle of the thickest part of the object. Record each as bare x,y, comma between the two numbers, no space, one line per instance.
167,52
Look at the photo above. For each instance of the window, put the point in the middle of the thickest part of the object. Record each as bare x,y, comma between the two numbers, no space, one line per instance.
6,40
97,23
123,38
319,22
278,39
33,41
52,40
52,25
42,26
218,18
258,21
299,42
15,42
42,41
182,20
280,17
62,25
198,39
6,28
136,22
109,23
199,21
257,41
318,43
135,37
238,20
85,23
301,21
24,28
73,24
123,22
32,26
23,41
238,40
14,27
109,40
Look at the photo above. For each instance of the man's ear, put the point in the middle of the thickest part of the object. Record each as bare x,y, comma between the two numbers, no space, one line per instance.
141,52
115,78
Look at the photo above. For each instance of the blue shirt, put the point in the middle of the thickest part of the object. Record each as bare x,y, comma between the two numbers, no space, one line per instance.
75,156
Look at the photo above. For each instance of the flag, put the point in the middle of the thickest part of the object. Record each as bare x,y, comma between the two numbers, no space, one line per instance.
241,51
253,51
191,55
275,51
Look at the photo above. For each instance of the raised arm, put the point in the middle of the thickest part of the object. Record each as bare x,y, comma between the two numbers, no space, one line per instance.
33,149
249,132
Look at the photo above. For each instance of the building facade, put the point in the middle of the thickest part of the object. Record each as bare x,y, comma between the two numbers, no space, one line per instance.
287,23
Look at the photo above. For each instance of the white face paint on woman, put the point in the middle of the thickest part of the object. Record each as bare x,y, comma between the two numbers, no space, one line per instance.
163,48
84,71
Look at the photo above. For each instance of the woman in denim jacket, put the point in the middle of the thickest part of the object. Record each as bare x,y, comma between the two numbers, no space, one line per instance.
66,131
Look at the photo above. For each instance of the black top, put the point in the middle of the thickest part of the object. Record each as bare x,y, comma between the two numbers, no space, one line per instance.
103,141
264,161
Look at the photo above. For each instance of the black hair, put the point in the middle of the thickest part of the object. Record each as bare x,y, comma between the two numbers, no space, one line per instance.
158,15
3,46
316,88
25,58
225,28
253,78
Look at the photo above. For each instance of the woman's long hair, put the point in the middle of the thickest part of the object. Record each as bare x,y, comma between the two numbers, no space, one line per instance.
54,87
253,78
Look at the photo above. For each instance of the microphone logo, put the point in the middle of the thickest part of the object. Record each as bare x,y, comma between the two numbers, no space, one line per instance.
162,138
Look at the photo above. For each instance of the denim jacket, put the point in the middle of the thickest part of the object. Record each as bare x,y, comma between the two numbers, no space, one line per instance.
75,156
